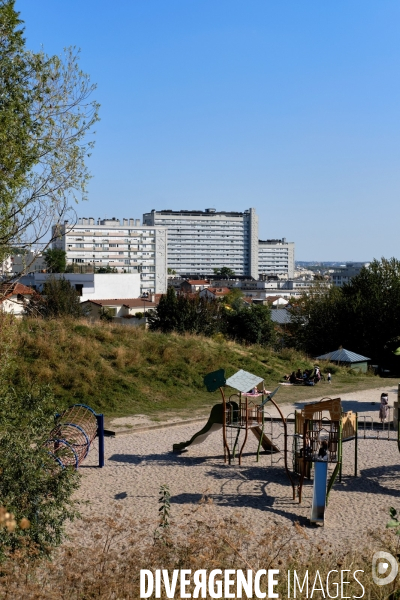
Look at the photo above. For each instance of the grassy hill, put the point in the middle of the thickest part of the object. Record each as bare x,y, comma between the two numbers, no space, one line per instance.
124,370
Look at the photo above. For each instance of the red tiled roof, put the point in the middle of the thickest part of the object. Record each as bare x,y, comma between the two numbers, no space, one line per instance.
13,289
220,291
196,281
247,299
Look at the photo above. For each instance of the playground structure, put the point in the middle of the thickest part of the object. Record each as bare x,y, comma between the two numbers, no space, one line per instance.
243,411
72,437
319,424
312,428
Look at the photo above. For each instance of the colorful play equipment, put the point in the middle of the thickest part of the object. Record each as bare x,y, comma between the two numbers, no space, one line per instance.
242,412
318,433
72,437
318,425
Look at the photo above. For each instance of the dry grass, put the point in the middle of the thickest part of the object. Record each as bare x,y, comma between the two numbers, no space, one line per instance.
109,564
123,370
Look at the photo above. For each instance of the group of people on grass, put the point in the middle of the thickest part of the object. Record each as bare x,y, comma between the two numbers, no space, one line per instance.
306,377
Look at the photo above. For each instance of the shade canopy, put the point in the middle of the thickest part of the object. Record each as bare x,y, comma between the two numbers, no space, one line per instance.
243,381
343,355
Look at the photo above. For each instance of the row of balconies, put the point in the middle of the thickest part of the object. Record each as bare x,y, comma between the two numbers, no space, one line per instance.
89,233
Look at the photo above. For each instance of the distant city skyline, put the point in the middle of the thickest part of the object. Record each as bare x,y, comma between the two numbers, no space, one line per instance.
292,108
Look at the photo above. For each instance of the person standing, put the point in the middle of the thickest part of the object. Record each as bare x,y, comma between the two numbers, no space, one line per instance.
329,377
384,408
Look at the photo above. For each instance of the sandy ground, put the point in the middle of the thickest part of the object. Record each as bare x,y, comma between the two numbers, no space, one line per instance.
137,464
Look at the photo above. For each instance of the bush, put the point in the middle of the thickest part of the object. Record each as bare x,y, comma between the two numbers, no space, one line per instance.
31,485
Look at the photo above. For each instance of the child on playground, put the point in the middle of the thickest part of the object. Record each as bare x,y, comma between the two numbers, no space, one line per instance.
308,449
384,407
323,451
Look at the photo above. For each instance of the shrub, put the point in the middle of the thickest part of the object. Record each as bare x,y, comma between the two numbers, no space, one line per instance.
31,486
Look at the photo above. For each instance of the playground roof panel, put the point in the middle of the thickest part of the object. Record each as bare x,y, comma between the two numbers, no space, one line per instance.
243,381
343,355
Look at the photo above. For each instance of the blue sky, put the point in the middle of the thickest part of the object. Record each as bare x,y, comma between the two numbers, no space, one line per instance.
288,106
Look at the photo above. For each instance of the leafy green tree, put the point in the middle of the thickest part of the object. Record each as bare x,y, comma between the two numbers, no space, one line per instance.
185,314
59,299
232,297
250,325
224,273
31,485
362,316
315,321
106,269
56,260
165,317
45,116
18,149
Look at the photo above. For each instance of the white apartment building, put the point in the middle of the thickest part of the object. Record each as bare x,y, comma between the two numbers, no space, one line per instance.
200,241
124,245
276,257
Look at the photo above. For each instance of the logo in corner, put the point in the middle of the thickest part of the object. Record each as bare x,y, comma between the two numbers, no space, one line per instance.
386,566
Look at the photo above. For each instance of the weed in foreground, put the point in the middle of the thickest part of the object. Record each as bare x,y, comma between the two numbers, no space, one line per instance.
107,565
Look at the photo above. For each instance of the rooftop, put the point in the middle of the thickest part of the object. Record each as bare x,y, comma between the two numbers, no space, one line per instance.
206,212
343,355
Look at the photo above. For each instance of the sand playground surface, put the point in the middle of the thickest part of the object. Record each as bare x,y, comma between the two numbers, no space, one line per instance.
137,464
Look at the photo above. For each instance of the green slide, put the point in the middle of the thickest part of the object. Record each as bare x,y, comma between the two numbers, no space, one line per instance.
214,423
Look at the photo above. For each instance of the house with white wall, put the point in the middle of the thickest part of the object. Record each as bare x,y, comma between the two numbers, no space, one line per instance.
14,298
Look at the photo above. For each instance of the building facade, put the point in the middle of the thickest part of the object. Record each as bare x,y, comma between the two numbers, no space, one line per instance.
276,257
342,275
123,245
201,241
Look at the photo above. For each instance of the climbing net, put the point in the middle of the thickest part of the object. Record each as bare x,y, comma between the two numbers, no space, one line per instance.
70,440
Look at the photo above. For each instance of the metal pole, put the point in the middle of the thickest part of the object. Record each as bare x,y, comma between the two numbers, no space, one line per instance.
356,447
100,435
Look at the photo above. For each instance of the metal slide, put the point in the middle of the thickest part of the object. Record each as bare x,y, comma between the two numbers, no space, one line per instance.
319,492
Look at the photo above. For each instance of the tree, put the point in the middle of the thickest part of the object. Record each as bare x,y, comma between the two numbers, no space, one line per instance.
45,116
56,260
224,273
184,314
250,325
233,295
362,316
31,485
58,299
165,317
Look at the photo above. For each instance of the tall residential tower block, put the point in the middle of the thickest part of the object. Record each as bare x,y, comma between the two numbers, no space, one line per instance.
200,241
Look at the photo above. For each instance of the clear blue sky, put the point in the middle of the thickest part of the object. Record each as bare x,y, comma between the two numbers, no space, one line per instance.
288,106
